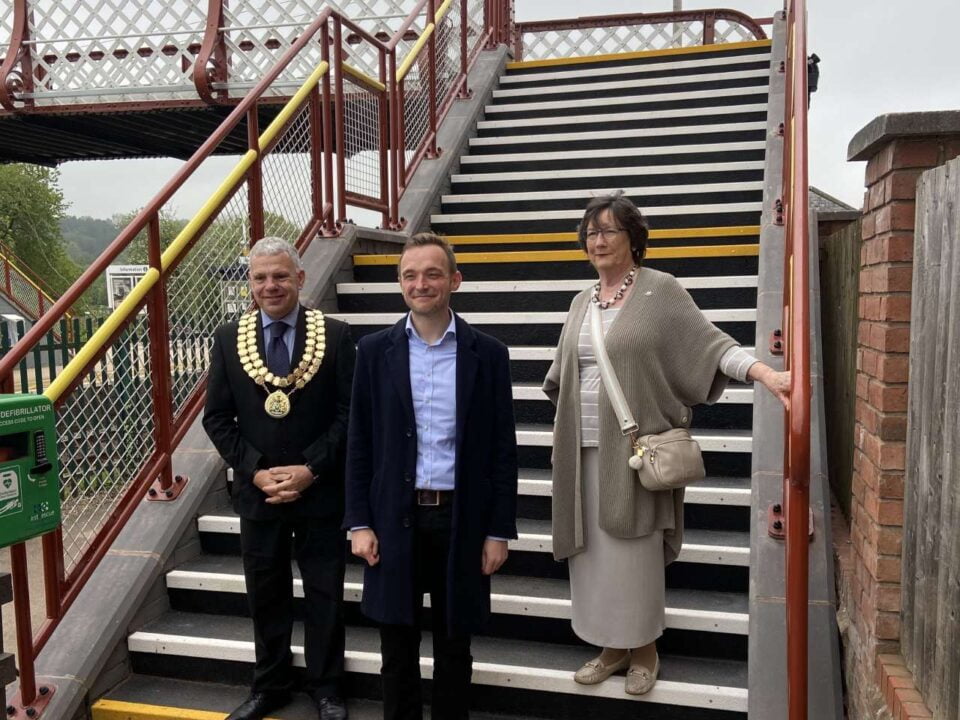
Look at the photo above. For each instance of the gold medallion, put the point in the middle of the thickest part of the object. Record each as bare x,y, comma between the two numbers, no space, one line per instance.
277,404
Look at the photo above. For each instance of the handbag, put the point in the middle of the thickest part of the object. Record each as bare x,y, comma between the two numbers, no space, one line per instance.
664,461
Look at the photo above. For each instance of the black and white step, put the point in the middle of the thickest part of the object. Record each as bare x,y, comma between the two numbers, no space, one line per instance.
220,648
714,293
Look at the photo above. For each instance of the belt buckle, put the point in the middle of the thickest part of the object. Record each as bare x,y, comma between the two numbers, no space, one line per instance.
435,494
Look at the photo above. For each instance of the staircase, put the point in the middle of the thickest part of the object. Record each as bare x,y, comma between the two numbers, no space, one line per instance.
684,134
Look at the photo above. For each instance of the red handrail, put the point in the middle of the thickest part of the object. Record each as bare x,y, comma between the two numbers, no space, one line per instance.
796,323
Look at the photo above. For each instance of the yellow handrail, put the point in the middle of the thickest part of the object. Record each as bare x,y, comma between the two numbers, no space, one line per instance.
414,51
92,347
422,40
364,78
293,104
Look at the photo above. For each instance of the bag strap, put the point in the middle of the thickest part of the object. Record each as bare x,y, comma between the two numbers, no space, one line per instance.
628,426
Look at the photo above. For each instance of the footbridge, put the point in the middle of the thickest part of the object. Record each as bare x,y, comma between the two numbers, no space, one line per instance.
452,116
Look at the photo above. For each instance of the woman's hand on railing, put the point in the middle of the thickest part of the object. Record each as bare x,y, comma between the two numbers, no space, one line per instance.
775,381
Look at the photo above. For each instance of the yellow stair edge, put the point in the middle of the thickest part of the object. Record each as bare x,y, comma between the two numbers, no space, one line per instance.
716,47
533,238
118,710
527,256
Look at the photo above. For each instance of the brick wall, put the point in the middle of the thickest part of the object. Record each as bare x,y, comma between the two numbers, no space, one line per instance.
883,338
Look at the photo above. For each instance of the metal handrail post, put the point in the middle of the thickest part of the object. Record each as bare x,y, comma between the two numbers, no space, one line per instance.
395,148
383,150
159,338
21,606
340,120
255,177
464,92
432,151
327,106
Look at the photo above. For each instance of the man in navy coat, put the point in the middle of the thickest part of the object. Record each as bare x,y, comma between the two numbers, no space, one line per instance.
431,481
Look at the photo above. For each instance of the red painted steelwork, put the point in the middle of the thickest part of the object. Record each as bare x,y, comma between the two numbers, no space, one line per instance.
796,322
159,329
255,178
339,119
329,225
211,63
16,55
431,142
99,266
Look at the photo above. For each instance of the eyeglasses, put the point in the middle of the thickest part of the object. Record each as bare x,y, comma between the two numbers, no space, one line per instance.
608,233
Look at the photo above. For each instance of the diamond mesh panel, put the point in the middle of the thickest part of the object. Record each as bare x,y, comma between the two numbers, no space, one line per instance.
475,13
114,49
577,42
260,31
362,141
6,26
448,51
727,31
287,202
207,289
105,433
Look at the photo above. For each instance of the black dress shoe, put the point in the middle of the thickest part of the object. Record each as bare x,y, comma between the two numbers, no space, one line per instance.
259,705
331,708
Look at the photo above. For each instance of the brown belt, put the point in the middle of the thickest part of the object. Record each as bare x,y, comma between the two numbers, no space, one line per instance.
434,497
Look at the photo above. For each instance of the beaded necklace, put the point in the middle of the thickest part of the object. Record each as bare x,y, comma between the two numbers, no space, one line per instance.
627,282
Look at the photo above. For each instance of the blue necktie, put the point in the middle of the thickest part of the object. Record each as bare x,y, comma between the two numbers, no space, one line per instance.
278,357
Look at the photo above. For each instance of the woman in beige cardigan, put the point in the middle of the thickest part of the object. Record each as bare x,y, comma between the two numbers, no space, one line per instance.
668,357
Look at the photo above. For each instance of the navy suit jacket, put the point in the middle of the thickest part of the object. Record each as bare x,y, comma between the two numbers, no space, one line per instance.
382,462
314,432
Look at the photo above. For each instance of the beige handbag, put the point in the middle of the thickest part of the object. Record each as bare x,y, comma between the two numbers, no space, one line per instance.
663,461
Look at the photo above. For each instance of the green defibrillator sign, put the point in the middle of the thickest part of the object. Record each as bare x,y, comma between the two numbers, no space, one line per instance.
29,473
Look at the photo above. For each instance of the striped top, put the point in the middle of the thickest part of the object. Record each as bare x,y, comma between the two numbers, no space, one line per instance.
734,363
590,380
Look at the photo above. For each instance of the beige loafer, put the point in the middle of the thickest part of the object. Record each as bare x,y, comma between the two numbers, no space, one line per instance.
640,680
594,671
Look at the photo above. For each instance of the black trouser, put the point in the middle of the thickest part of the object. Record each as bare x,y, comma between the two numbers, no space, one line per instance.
318,548
400,644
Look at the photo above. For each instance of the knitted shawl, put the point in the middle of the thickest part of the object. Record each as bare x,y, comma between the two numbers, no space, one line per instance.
666,355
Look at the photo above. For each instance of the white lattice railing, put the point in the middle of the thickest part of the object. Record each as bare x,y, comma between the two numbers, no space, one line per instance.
607,35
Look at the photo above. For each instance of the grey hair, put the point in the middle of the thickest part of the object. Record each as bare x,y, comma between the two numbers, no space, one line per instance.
275,246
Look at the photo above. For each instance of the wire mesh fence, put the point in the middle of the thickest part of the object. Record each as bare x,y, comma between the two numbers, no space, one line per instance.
448,51
207,289
287,180
105,431
363,109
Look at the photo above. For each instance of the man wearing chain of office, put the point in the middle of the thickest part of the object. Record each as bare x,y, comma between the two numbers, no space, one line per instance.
278,398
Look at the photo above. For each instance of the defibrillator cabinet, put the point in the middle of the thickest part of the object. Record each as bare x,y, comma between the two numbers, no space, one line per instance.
29,473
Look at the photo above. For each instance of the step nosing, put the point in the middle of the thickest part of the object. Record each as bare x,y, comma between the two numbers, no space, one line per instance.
543,679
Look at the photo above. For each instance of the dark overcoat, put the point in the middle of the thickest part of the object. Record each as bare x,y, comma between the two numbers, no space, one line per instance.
314,432
382,463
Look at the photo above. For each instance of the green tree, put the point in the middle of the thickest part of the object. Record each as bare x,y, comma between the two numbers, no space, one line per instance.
31,208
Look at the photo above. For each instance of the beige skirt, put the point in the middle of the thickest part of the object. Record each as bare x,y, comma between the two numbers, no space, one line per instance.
616,584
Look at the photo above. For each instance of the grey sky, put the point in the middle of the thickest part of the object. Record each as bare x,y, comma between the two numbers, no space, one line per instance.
877,57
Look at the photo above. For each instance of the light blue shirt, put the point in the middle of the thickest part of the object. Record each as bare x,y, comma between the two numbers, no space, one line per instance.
289,335
433,384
